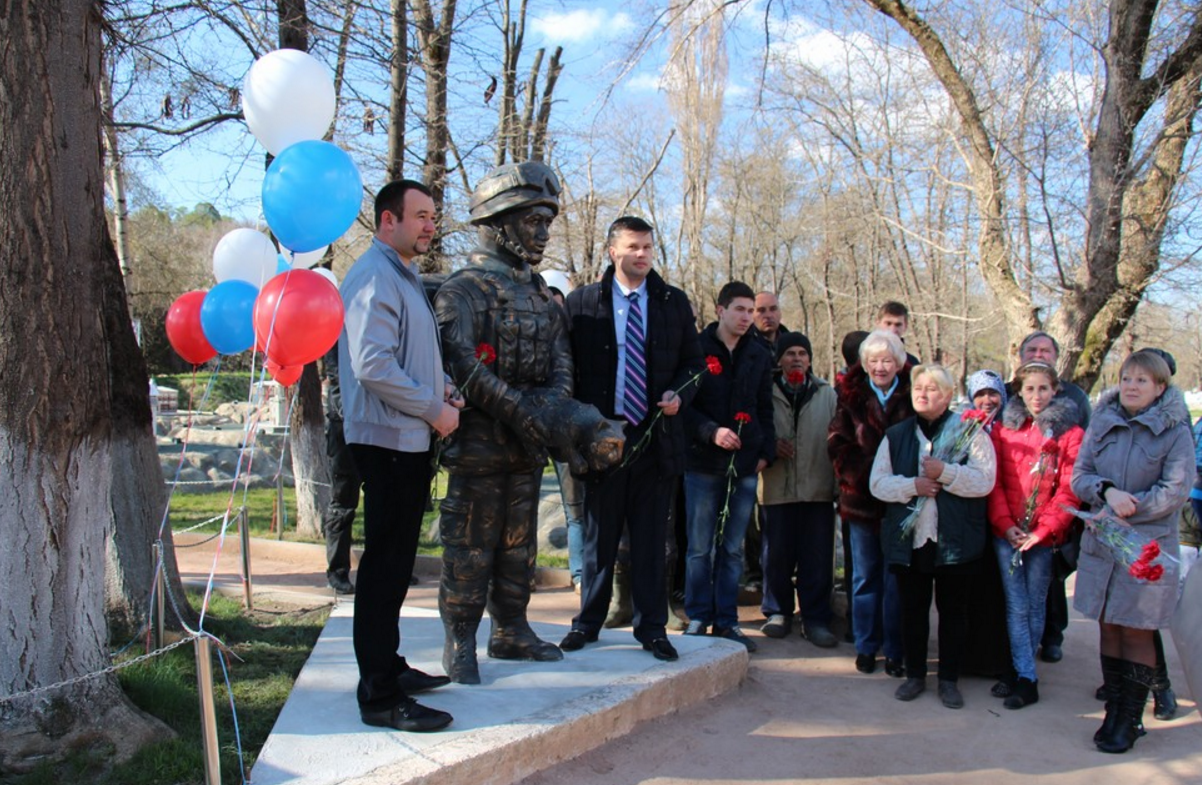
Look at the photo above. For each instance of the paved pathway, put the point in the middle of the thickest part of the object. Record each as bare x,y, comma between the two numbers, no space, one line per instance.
805,714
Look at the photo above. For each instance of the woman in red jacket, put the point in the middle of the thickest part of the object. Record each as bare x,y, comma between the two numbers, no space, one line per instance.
1036,445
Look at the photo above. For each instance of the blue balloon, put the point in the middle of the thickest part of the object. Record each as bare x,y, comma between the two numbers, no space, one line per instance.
281,265
311,195
227,316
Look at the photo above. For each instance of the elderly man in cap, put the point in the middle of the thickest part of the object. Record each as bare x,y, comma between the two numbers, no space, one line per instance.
506,346
797,495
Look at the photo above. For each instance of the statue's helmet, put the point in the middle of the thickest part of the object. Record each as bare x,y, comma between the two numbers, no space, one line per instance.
514,186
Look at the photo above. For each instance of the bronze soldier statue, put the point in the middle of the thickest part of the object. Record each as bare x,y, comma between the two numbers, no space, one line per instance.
518,408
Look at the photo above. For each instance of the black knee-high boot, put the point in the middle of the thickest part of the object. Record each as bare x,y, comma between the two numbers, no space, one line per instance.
1164,701
1132,699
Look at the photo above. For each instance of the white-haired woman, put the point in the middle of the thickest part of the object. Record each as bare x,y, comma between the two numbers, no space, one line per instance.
944,549
873,395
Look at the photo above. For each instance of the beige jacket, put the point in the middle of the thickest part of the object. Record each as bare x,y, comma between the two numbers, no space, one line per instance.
808,476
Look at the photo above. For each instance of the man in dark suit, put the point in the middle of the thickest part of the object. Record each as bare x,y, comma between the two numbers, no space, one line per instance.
634,343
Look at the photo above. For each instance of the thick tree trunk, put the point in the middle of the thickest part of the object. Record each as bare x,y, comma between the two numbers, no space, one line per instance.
1145,213
398,94
58,389
434,39
310,467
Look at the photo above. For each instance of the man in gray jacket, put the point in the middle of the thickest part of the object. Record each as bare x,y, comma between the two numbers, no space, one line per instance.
394,393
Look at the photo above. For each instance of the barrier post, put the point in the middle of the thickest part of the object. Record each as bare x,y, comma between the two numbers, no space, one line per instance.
160,586
279,505
244,535
208,713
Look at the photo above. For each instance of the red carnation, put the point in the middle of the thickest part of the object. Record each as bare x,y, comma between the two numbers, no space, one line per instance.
713,365
1050,447
975,414
1139,570
1154,573
742,418
486,354
1150,551
795,378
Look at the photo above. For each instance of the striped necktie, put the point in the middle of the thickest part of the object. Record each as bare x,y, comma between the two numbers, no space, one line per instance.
634,401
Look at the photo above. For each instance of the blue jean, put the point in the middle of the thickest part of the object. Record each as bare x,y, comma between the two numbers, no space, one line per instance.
1026,588
875,601
712,568
571,490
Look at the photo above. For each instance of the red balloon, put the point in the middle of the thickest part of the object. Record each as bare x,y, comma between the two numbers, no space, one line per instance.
285,375
300,313
183,329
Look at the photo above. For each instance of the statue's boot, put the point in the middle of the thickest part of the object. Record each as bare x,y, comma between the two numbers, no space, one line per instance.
459,652
512,639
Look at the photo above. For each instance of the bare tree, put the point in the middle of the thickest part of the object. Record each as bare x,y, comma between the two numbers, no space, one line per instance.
1128,191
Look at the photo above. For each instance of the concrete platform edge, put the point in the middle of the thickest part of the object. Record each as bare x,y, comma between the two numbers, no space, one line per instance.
507,754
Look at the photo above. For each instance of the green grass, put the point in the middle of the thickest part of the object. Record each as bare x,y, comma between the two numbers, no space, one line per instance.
272,647
189,509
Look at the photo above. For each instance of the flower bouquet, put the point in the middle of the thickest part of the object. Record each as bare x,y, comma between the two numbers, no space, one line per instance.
1048,460
741,419
1142,557
713,366
950,446
485,355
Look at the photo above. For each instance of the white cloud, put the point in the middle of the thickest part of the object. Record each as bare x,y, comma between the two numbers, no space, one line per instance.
581,25
646,81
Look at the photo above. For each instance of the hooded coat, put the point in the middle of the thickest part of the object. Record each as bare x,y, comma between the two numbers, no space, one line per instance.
1151,456
1019,443
854,436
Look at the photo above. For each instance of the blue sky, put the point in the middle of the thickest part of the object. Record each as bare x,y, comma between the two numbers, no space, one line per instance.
225,165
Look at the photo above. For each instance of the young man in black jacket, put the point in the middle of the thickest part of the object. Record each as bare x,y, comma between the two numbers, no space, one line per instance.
733,440
634,345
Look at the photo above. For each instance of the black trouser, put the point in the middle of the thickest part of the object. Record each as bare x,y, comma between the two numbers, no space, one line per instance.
344,499
799,537
637,497
1057,618
488,527
951,590
395,488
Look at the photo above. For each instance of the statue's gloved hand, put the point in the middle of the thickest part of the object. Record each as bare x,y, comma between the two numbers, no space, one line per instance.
574,432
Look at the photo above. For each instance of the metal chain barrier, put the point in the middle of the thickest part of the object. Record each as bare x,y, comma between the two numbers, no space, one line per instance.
96,674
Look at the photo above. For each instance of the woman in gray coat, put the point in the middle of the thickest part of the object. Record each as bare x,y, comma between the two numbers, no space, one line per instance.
1137,459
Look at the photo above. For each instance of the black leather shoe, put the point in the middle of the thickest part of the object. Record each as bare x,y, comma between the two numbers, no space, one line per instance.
576,639
895,668
865,663
412,681
409,716
340,582
1051,653
949,693
661,650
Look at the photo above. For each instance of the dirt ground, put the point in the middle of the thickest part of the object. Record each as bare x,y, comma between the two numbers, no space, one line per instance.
806,715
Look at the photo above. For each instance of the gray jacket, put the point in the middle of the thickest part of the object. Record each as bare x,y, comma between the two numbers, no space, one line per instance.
389,355
1150,456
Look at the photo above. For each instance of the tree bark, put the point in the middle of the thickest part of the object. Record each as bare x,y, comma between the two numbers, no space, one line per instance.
1145,213
398,73
434,41
66,415
310,466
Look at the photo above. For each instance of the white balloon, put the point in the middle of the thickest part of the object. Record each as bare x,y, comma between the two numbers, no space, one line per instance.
245,255
304,261
287,97
327,274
